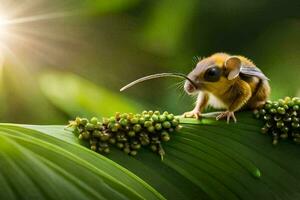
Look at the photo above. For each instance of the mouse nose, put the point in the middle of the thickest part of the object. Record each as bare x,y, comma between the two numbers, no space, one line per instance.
189,88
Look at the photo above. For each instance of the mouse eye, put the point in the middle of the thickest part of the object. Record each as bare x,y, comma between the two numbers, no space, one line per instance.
213,74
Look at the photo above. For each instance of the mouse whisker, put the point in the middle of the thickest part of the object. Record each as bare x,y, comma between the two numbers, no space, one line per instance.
154,76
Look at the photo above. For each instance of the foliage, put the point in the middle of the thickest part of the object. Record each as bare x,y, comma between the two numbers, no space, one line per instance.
206,159
39,166
77,96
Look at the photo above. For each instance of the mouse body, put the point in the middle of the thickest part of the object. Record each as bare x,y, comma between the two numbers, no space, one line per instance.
228,82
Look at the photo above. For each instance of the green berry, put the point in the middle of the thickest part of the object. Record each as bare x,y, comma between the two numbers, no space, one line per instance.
287,119
162,118
114,129
281,110
106,150
126,150
96,134
89,127
294,113
296,107
165,137
158,126
142,120
257,116
151,129
111,125
144,112
137,128
295,125
99,126
112,141
273,110
93,147
112,120
280,124
153,147
117,115
105,121
123,122
268,106
120,145
284,136
84,121
154,118
147,117
285,129
275,104
103,144
131,133
124,116
296,100
262,111
147,124
296,119
94,120
134,120
170,117
175,122
145,142
136,146
275,141
104,137
166,124
165,113
268,125
277,118
178,128
281,102
150,112
155,139
297,140
133,153
264,130
85,135
287,99
290,103
267,117
121,138
157,112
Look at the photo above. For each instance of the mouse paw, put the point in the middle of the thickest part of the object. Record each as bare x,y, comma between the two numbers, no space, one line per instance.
228,115
192,114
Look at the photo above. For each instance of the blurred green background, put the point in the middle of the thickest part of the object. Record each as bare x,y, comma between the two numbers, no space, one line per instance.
77,54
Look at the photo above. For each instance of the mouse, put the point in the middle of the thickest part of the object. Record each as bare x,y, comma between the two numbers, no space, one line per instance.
223,81
229,82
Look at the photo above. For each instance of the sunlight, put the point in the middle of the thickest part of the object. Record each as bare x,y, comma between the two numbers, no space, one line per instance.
30,32
3,30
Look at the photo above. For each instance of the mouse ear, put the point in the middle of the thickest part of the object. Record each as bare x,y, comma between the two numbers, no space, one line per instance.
233,67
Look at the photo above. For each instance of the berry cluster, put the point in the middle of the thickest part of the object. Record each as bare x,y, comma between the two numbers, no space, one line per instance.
127,132
282,119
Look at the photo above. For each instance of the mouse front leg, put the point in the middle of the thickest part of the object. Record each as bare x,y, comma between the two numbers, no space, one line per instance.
201,103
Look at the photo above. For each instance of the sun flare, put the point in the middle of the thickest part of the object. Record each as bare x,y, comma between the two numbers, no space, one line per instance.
31,31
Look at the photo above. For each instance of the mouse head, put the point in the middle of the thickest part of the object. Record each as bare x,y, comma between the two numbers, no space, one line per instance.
213,73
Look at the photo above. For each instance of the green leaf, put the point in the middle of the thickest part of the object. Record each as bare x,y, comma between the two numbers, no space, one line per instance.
213,160
34,165
77,96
